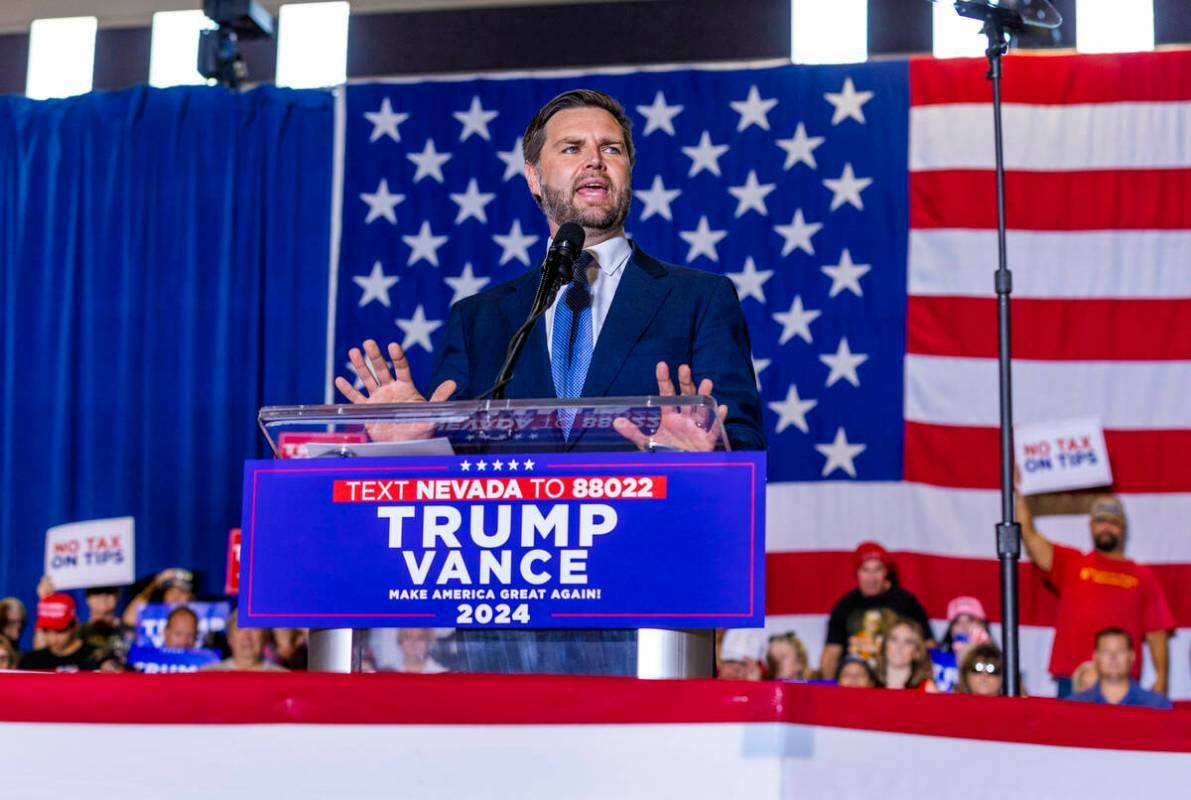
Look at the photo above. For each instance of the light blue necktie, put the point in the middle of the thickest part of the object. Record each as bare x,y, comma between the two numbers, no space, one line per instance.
573,340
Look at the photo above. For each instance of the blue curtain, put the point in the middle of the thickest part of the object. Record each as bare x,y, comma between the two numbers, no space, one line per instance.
163,263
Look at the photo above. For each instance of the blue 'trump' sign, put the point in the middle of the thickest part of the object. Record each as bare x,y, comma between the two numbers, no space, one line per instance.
608,540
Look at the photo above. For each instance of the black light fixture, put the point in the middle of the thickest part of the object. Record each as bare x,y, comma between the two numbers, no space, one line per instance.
219,54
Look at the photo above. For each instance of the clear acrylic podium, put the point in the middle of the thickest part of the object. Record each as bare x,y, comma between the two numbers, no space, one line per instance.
500,428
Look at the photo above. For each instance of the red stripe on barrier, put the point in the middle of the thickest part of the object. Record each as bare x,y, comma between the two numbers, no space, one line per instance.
1143,461
1136,199
1052,80
1109,330
297,698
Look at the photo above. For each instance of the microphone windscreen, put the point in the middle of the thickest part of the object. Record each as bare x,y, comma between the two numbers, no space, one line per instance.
571,235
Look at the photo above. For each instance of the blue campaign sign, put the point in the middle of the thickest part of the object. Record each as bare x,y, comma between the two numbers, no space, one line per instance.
154,660
550,540
151,621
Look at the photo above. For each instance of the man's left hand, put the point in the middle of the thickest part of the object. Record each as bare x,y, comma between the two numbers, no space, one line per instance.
689,429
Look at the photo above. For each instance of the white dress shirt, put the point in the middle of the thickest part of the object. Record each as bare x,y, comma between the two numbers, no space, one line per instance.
611,256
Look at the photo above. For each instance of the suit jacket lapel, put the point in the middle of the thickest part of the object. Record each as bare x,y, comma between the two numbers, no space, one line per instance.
640,294
531,375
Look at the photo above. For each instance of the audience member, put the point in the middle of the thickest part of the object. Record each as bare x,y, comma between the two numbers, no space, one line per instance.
981,670
1084,677
13,618
103,629
1099,589
856,673
247,646
65,650
8,653
415,644
967,624
287,647
741,654
1114,657
857,623
181,629
903,662
171,586
786,657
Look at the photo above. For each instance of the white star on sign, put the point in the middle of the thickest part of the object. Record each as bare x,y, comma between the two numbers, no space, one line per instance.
466,284
475,120
465,466
385,122
429,162
376,286
657,199
705,156
515,244
847,188
848,103
482,466
659,116
792,410
514,161
513,464
702,241
843,364
846,275
839,454
498,465
798,234
424,245
472,202
759,366
750,196
750,280
417,330
800,148
382,203
753,110
528,463
796,322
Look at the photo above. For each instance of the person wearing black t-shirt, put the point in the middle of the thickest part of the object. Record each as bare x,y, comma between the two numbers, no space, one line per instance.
859,619
65,650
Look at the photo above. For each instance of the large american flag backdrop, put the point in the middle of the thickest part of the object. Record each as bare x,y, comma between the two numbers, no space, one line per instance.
854,208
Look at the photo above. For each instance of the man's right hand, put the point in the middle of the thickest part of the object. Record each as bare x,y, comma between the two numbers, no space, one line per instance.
395,387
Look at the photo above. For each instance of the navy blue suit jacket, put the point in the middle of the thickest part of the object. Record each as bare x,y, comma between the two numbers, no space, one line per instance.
661,312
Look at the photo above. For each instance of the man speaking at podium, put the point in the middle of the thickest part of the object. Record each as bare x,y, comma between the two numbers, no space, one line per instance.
618,328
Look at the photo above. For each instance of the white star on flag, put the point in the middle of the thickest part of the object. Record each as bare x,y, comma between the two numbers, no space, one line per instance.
475,120
424,245
798,234
385,122
515,244
376,286
657,199
800,148
759,366
796,322
846,275
659,116
466,284
705,156
849,103
429,162
840,454
358,383
382,203
472,202
702,241
843,364
792,411
750,280
847,188
753,110
417,330
514,161
750,196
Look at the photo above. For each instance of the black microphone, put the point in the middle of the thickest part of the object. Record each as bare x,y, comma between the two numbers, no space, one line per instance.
557,269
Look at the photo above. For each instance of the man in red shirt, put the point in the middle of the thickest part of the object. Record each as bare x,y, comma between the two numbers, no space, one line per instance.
1097,590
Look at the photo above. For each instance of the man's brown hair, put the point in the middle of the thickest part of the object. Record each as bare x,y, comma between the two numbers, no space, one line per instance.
535,135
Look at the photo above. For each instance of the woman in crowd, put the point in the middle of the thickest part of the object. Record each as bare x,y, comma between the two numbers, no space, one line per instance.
981,671
966,624
13,618
786,657
903,662
856,673
8,653
247,646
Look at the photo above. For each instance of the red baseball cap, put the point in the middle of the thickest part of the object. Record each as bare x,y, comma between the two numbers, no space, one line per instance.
867,551
56,612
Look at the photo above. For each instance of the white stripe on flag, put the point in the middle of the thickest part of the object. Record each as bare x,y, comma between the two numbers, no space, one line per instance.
1051,265
1057,137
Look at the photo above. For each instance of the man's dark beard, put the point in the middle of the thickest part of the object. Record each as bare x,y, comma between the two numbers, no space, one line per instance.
1105,542
560,209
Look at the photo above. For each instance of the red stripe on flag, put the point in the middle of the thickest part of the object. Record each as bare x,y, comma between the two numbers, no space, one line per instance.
1136,199
1043,330
811,583
1143,461
1140,77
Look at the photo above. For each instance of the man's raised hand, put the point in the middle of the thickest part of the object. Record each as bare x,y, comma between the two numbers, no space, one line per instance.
691,429
383,386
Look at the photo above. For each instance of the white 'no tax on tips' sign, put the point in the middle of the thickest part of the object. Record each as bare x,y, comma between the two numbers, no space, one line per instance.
97,552
1061,456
